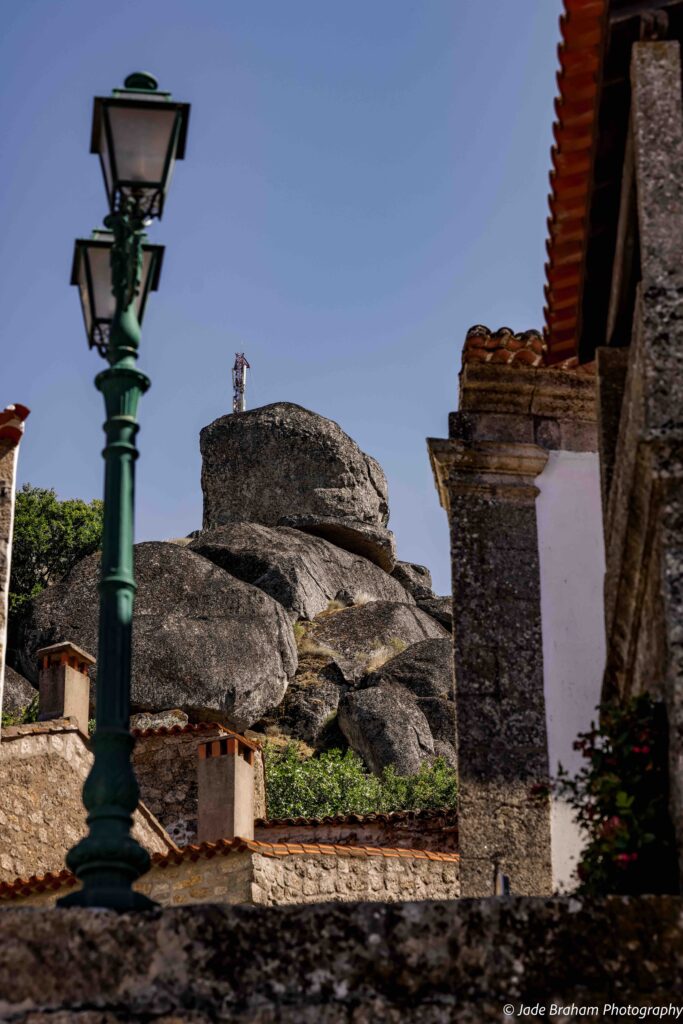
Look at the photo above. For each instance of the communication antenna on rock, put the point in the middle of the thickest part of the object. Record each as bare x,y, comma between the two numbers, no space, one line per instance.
239,382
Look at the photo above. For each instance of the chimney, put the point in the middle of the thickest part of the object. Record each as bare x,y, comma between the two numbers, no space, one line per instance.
225,783
64,683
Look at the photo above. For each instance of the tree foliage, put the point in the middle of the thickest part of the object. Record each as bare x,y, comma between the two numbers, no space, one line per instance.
50,537
337,782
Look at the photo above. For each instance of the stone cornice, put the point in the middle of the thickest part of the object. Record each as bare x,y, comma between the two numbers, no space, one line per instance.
499,388
490,468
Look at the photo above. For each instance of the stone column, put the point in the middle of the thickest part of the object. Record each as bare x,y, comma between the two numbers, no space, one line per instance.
489,492
11,431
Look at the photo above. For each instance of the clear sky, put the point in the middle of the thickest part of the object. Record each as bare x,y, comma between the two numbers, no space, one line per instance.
364,179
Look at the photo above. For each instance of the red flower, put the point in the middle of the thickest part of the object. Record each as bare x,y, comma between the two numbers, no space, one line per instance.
611,826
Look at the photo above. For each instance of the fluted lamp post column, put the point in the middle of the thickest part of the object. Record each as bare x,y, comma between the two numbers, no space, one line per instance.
138,133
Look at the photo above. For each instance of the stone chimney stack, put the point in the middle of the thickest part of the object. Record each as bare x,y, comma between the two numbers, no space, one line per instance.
225,783
64,683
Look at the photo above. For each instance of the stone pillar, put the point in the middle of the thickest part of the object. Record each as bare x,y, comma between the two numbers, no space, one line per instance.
64,683
11,431
521,427
502,747
225,783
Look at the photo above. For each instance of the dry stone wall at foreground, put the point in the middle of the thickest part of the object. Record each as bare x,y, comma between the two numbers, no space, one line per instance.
353,963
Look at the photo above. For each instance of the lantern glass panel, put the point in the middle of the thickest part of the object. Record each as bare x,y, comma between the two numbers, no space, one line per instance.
100,273
84,293
92,274
141,139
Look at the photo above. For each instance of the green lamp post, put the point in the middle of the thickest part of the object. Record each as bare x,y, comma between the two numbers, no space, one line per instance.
138,133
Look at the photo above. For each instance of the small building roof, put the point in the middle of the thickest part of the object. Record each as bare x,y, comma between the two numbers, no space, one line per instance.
190,728
590,132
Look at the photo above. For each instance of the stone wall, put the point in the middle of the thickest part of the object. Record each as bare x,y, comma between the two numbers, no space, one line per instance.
42,770
218,880
414,830
642,435
306,878
261,873
352,963
165,763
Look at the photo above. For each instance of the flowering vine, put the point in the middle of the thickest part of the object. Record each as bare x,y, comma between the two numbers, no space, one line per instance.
620,800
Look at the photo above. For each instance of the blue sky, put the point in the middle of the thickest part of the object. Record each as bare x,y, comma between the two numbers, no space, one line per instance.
364,179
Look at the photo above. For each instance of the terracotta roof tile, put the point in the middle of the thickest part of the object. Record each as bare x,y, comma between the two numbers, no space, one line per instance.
193,727
583,33
504,347
387,818
64,879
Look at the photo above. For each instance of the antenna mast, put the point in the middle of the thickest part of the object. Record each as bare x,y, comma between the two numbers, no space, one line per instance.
239,382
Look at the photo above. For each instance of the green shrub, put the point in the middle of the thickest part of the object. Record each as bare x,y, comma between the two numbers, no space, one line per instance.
337,782
620,800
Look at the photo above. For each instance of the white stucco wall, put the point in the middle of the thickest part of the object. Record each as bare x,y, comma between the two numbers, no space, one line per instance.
572,562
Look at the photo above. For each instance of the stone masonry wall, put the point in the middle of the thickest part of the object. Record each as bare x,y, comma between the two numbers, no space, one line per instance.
42,771
432,962
307,878
218,880
436,831
246,876
166,768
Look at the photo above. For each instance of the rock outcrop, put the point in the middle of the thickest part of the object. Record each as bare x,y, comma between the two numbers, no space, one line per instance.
17,693
416,579
302,572
309,709
282,460
386,727
375,543
415,686
425,669
440,608
360,639
203,641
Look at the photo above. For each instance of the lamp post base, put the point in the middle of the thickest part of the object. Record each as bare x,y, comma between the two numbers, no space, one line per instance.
109,898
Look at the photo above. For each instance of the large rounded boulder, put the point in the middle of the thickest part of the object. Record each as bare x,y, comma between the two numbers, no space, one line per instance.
203,641
415,687
360,639
17,693
385,727
281,460
304,573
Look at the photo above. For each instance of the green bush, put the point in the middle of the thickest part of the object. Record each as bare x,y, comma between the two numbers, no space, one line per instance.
337,782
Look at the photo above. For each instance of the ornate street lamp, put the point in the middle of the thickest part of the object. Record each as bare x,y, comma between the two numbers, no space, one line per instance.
91,272
139,134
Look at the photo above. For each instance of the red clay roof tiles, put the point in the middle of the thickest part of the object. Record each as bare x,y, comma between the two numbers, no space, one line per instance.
193,727
524,349
582,28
